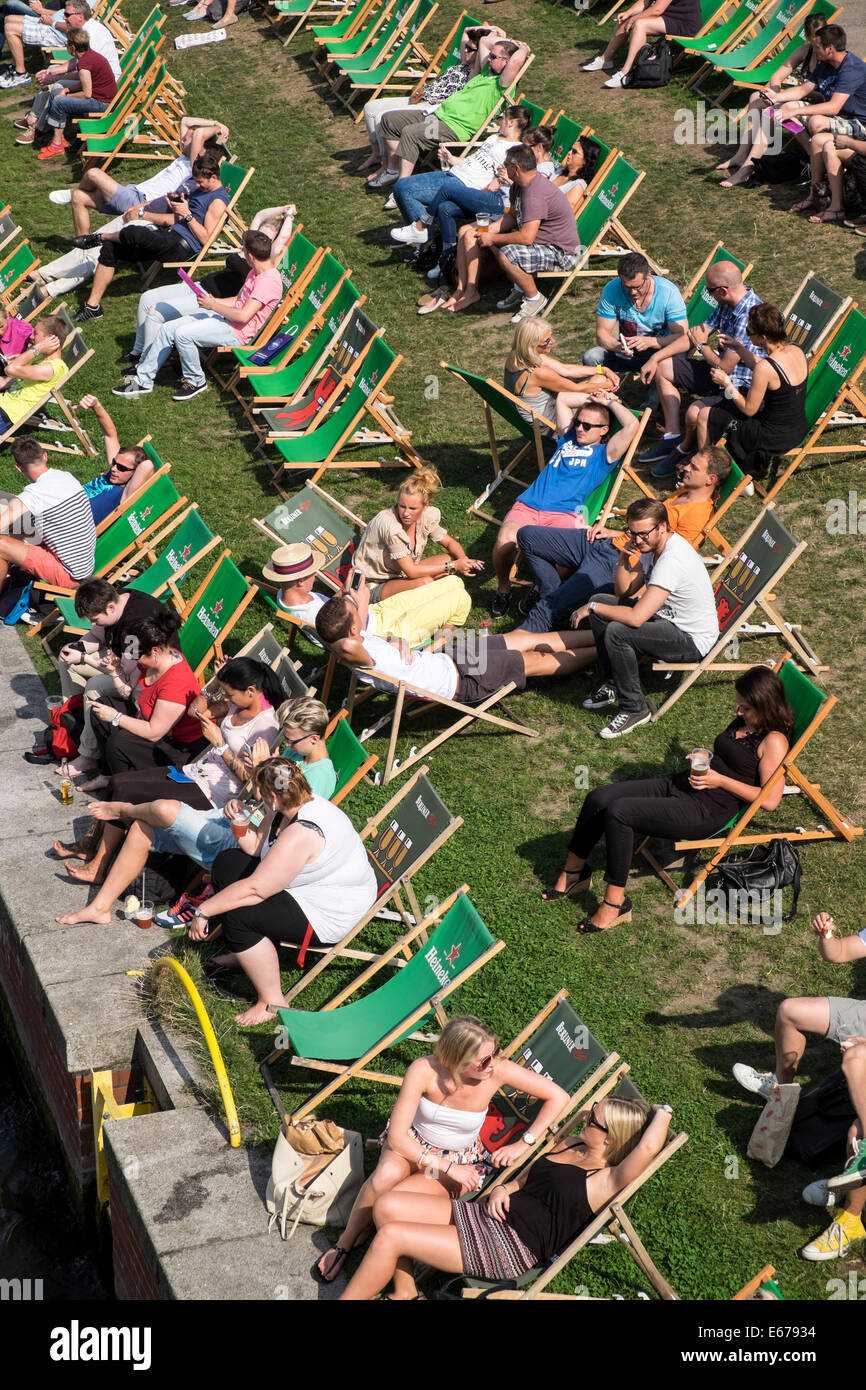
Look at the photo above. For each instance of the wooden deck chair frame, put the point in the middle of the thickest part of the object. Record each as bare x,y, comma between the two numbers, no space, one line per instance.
7,293
748,15
850,394
205,256
398,79
365,37
734,836
360,1067
362,437
216,646
611,1215
789,633
770,43
408,912
835,321
149,553
132,89
56,395
165,128
316,9
467,714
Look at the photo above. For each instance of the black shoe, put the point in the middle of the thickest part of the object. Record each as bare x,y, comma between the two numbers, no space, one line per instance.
526,604
129,359
87,242
623,915
603,697
86,313
186,391
39,756
499,605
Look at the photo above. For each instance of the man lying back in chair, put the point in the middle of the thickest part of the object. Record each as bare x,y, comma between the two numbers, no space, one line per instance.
465,671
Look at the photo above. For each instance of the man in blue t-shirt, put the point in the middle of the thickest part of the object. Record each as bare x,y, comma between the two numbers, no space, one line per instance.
129,468
840,77
584,458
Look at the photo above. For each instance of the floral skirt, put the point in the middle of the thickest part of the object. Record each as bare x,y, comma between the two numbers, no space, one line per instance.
490,1249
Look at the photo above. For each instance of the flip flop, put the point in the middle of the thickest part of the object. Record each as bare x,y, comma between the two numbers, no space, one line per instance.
340,1252
828,215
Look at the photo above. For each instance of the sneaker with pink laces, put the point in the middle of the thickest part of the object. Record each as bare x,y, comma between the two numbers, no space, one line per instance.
183,911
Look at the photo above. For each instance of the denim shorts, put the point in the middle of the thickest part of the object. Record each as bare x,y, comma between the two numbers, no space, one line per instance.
200,834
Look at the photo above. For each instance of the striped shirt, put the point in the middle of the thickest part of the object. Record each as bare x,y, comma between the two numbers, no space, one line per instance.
64,521
733,319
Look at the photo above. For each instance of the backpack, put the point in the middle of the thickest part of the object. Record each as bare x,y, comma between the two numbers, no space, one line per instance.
15,596
653,66
65,724
787,167
823,1118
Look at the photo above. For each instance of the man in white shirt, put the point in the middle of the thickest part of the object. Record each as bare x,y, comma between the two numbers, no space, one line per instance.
53,513
49,31
666,610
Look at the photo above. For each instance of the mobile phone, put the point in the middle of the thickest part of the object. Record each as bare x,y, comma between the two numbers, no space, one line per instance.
356,581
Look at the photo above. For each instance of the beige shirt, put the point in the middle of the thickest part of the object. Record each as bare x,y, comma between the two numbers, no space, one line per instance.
385,542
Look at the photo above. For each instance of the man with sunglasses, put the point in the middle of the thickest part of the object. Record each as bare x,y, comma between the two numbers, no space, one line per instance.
673,369
663,608
49,31
590,557
129,468
584,457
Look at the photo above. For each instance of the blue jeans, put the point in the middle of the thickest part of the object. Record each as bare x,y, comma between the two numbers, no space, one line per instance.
545,547
455,200
61,109
187,334
413,194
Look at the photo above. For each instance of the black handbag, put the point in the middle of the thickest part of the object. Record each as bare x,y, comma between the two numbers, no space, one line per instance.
653,66
766,869
824,1116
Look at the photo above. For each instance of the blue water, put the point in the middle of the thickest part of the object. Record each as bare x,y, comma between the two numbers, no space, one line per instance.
40,1234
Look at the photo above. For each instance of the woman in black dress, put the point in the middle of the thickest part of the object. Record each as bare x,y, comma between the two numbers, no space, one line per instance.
676,18
521,1224
771,417
686,805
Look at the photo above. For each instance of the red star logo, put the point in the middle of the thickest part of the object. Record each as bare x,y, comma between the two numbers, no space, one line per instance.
579,1053
613,188
217,608
322,288
341,316
431,820
185,553
374,376
147,511
302,506
453,954
846,351
292,268
723,613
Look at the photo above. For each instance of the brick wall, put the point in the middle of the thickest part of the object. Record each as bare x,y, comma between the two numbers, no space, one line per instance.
133,1275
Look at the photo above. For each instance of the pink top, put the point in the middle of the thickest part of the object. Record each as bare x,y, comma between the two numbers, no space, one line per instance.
267,287
17,336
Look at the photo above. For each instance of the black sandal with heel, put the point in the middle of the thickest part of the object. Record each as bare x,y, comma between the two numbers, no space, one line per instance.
550,894
623,915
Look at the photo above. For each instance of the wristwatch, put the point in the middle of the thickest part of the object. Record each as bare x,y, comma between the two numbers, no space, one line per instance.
528,1137
593,604
140,213
117,718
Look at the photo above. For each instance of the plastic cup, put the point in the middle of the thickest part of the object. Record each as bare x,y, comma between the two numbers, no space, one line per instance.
700,759
53,702
240,822
144,916
482,220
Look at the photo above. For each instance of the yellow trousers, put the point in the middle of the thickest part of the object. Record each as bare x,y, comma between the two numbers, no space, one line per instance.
416,614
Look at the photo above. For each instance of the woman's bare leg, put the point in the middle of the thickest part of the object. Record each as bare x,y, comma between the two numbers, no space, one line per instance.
390,1171
422,1232
126,867
262,964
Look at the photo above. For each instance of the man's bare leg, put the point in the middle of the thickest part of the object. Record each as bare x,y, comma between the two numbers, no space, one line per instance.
131,859
102,278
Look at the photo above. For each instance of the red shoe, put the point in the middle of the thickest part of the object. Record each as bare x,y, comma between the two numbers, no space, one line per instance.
50,151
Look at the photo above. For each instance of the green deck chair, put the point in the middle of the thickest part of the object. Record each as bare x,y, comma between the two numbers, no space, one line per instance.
355,41
213,611
19,263
9,229
813,311
395,73
297,13
267,648
350,758
565,133
345,1040
721,37
353,19
811,707
779,25
353,65
761,74
306,316
314,517
350,340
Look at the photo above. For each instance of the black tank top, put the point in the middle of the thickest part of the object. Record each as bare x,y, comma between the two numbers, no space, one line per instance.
733,757
552,1208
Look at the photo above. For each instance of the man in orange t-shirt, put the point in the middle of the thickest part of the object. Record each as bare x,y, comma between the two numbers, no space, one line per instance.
591,556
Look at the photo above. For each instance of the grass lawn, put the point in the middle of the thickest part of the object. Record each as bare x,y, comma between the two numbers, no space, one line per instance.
679,1003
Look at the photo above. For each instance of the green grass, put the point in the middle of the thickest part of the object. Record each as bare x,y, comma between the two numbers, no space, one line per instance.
679,1003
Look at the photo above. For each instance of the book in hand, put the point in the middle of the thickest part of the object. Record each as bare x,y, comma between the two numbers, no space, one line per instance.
196,289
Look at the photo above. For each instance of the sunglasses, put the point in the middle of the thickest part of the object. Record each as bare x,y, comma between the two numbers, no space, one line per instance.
716,289
588,425
594,1122
124,468
293,742
485,1061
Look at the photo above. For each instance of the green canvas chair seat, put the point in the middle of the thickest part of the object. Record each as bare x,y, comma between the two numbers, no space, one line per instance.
814,311
350,758
719,38
311,516
213,610
349,41
762,73
14,268
348,64
344,1037
565,133
754,49
153,506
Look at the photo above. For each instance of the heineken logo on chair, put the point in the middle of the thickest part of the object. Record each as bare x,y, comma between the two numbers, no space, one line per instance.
839,363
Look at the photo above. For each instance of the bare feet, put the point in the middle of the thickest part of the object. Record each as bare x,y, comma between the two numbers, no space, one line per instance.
732,163
224,23
73,851
259,1013
743,174
828,215
106,810
86,874
463,301
86,917
76,767
373,161
96,784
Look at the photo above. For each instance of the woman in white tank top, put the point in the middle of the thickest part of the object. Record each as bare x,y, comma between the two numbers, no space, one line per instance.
433,1139
303,877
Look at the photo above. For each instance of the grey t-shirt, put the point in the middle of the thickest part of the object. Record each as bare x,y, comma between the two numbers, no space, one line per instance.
546,204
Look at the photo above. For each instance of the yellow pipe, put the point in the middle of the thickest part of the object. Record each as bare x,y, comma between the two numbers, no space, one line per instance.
212,1045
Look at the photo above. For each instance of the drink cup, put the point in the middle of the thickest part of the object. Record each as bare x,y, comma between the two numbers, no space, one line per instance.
67,793
240,822
700,759
53,702
144,916
482,220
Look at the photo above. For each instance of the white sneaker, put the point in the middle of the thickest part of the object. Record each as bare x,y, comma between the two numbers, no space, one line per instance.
382,180
530,308
511,299
390,205
759,1082
435,272
60,196
410,235
818,1194
618,80
598,64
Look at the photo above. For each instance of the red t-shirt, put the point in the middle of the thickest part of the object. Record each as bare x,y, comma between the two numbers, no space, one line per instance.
101,76
179,686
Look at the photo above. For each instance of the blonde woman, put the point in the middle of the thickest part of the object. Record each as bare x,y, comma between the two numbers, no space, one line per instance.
302,877
303,722
391,552
522,1223
433,1135
540,380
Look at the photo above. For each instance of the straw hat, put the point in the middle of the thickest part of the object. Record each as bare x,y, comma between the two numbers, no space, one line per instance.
290,563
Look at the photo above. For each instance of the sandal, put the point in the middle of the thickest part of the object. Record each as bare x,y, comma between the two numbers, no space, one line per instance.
828,215
333,1268
623,915
551,894
811,202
